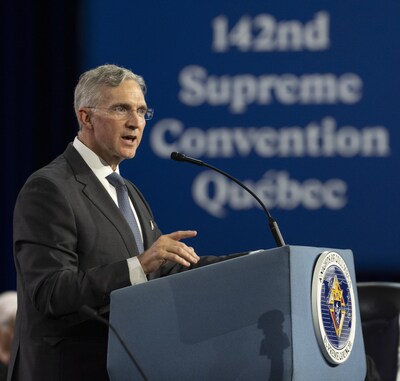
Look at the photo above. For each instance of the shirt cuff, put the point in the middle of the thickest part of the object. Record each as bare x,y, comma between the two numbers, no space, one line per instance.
136,273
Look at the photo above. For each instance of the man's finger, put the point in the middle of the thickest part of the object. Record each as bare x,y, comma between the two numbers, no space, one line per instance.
182,234
184,252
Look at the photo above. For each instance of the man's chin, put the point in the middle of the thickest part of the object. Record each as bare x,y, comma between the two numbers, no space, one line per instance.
129,155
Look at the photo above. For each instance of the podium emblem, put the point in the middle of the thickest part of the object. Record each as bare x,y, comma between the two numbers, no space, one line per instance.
333,309
338,309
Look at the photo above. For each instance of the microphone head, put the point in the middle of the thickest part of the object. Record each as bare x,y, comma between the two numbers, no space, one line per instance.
177,156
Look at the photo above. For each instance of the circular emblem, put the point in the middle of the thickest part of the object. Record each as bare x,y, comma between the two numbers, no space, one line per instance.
333,309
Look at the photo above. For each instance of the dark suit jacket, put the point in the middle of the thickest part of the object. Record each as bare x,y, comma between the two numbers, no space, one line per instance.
70,245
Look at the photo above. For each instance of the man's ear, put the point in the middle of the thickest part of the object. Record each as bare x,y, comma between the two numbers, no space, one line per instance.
84,118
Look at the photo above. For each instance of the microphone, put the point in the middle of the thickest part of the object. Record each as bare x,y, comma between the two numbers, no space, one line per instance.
93,314
273,225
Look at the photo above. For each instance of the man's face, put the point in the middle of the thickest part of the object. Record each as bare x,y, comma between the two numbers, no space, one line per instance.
117,123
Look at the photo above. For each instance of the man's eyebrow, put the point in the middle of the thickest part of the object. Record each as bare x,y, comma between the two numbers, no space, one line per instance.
127,105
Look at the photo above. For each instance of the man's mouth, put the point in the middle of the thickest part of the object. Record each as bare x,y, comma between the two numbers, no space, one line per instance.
130,138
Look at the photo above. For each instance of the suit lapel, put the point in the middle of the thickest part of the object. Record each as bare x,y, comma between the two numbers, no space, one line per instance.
95,192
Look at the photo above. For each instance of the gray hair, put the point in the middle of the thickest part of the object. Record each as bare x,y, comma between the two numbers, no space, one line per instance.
87,91
8,307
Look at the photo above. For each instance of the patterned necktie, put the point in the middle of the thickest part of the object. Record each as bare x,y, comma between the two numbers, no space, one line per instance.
124,206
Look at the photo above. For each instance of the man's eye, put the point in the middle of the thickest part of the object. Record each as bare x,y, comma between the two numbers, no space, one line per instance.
120,109
141,111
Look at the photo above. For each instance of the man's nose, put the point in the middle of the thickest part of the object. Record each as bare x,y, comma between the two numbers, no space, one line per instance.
135,120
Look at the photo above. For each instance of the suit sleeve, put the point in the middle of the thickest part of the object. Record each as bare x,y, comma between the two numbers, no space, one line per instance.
47,258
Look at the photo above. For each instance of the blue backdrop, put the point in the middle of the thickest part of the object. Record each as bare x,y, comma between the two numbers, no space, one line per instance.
298,100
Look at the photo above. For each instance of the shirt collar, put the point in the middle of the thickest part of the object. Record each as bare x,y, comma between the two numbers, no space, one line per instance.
100,168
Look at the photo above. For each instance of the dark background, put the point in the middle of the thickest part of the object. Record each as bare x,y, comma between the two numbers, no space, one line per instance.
40,53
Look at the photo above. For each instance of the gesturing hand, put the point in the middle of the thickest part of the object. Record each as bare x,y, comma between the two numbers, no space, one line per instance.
169,248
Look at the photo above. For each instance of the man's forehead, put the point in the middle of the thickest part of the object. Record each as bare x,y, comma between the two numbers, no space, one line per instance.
127,90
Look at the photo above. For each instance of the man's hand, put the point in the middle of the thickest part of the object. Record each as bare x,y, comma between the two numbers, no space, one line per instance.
169,248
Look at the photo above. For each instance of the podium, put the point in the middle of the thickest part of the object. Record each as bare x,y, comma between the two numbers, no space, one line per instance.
247,318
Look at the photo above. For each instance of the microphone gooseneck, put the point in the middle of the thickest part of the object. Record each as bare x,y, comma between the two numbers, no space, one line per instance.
93,314
273,225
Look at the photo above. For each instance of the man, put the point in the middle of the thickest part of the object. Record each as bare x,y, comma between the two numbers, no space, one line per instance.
72,244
